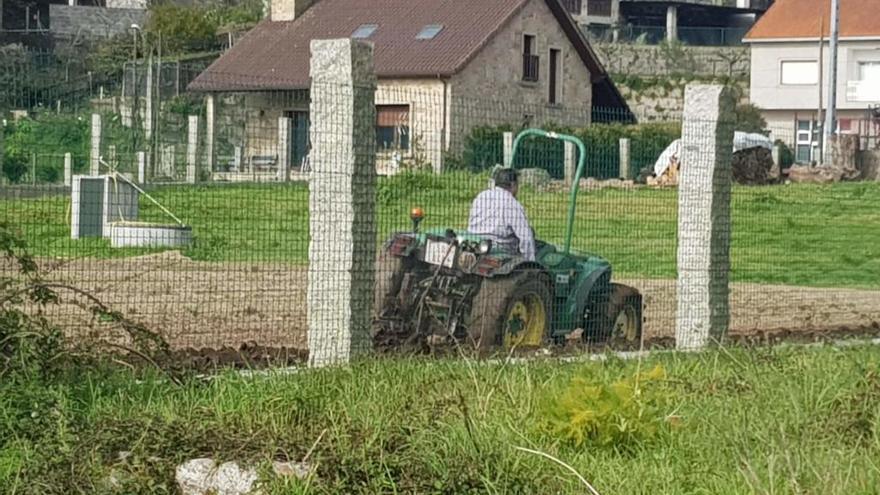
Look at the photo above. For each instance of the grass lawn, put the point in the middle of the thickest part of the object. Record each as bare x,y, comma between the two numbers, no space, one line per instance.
766,420
796,234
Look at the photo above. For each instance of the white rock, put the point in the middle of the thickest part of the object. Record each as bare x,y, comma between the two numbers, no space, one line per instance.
230,479
193,477
204,477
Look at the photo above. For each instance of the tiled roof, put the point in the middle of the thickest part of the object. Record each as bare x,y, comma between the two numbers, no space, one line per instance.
789,19
275,55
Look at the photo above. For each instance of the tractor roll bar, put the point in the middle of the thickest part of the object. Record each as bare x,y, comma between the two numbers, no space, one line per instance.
582,160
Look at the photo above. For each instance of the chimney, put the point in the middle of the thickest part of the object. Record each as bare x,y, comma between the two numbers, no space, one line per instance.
288,10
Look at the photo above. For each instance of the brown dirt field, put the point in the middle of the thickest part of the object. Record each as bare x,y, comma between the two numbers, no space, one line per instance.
197,305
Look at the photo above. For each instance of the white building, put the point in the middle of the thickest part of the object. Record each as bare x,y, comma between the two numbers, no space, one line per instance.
789,75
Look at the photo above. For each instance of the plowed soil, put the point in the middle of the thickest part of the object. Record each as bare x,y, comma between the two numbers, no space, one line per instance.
197,305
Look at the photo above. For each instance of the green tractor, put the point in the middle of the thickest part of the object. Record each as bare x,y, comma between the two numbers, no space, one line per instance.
445,286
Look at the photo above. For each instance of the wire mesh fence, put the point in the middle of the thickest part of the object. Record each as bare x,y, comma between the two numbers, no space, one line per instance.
584,243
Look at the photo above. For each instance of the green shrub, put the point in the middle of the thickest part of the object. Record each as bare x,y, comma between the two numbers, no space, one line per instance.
483,148
591,411
49,137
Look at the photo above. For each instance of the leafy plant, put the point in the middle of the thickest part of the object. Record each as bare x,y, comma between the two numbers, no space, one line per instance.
621,414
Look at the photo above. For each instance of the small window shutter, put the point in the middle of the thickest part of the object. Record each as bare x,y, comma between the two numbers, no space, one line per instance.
392,115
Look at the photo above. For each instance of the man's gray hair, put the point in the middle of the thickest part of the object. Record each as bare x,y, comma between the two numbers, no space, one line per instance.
506,177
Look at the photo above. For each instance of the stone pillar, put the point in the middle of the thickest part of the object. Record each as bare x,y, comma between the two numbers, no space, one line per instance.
570,163
210,120
508,149
112,158
776,154
342,186
625,171
167,164
283,149
672,24
148,101
192,150
142,167
704,189
68,168
95,156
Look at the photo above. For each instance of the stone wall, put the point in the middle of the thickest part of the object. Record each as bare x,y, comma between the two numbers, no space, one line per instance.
490,89
92,22
662,99
652,60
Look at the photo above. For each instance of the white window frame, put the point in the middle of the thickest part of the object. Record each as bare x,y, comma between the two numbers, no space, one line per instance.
782,64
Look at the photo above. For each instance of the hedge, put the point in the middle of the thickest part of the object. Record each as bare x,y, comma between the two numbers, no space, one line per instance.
484,147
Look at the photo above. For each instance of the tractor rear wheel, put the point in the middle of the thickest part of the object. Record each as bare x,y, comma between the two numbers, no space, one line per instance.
512,312
623,315
389,276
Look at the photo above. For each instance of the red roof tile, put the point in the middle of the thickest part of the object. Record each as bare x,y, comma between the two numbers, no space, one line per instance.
800,19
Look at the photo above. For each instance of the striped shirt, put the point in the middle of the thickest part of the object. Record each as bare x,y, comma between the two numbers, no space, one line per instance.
497,215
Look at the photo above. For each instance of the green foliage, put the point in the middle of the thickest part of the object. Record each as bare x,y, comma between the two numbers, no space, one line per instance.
49,137
620,415
29,345
183,29
786,155
749,119
186,29
483,148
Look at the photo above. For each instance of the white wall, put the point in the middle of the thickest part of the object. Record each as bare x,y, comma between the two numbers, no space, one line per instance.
768,93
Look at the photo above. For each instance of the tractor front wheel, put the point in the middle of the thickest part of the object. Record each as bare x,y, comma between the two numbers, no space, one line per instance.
512,312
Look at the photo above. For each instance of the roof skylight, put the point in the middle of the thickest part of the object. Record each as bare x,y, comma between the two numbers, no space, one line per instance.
364,31
429,32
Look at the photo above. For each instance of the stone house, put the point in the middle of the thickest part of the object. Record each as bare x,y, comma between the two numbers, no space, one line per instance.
790,73
443,67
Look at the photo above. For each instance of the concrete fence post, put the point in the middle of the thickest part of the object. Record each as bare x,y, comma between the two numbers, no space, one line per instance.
570,163
625,172
210,123
95,155
508,149
142,167
342,187
68,168
284,154
192,150
703,314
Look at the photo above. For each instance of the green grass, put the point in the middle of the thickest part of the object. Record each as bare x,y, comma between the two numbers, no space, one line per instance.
797,234
766,420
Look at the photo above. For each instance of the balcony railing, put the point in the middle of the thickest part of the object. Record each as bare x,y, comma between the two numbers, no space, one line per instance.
572,6
599,8
531,63
863,92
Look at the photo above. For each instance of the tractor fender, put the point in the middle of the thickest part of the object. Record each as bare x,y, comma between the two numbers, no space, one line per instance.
582,294
518,265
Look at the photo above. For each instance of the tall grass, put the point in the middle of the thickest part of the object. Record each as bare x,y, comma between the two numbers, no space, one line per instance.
768,420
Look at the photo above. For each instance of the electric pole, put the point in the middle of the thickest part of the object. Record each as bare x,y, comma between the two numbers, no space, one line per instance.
831,115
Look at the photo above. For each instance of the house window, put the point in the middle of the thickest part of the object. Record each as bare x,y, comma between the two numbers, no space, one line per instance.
392,127
429,32
807,143
799,72
555,72
869,72
364,31
531,60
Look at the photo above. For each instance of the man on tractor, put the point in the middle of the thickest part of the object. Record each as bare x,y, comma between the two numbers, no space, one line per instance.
497,214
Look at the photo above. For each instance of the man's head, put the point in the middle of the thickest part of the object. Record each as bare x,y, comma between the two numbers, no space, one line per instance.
507,178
